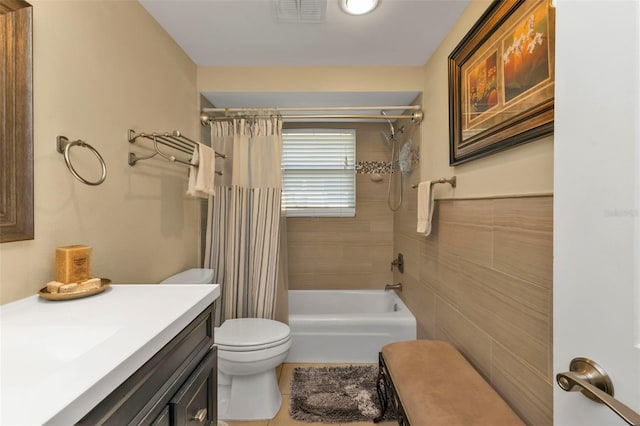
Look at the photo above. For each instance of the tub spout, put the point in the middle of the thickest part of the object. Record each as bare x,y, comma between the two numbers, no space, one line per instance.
393,287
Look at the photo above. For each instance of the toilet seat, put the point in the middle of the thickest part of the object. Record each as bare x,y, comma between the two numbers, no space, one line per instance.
222,347
251,334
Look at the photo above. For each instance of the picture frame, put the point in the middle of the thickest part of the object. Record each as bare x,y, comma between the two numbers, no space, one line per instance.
16,116
501,80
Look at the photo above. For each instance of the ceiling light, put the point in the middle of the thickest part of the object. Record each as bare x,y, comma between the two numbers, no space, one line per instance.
358,7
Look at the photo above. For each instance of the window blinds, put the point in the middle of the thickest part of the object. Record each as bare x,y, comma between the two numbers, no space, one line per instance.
318,171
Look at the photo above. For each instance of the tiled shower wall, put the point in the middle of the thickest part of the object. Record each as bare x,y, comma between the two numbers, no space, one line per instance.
483,281
353,252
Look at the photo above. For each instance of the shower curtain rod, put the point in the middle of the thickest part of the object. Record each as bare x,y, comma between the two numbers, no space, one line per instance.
415,116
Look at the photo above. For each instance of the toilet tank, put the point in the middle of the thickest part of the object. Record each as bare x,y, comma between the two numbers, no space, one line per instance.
191,276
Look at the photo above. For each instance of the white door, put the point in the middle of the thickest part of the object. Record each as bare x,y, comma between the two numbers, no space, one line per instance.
596,201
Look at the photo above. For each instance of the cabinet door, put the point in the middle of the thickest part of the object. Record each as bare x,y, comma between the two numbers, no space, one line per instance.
196,401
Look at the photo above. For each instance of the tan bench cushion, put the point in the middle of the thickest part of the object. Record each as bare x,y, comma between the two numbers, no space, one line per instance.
437,386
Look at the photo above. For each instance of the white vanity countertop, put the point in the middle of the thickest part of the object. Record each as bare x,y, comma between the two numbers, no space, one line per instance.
59,359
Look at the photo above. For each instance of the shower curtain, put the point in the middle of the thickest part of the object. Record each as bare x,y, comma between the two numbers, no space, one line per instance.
243,225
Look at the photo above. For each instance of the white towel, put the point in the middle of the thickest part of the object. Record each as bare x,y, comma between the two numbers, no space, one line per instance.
425,208
202,172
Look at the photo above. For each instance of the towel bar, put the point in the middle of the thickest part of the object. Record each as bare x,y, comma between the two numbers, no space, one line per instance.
174,140
452,181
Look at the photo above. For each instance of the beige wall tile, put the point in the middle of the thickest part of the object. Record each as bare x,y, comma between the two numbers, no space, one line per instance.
367,190
471,242
533,213
410,249
524,254
442,277
486,269
420,298
467,212
405,218
429,268
529,393
342,281
352,259
511,311
469,339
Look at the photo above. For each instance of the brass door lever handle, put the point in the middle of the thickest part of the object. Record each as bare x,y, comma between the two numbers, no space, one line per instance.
587,376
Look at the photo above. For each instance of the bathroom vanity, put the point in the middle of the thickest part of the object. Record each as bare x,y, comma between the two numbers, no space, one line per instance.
135,354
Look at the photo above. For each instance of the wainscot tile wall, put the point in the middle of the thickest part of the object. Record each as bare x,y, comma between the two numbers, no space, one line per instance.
483,281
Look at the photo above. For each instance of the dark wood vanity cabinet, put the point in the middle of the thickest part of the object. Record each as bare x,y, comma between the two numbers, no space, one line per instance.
177,386
195,402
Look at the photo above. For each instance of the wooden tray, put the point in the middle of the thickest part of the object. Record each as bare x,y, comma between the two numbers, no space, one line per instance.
104,284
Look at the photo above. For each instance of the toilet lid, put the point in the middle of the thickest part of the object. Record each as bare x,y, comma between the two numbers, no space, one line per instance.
251,333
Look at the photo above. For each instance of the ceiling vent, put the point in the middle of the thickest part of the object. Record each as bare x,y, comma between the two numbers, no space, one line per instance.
303,11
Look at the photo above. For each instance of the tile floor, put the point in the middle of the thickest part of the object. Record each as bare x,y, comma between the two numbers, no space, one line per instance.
284,374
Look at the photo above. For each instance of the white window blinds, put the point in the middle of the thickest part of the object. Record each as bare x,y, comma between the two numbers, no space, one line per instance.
318,172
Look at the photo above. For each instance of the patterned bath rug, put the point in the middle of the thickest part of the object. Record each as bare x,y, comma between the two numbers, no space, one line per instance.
335,394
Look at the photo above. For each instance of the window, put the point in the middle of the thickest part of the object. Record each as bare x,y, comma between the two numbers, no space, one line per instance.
318,172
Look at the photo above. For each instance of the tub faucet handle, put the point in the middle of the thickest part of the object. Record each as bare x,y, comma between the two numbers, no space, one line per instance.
399,262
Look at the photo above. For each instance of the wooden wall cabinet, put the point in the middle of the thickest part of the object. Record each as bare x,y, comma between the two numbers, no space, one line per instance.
177,386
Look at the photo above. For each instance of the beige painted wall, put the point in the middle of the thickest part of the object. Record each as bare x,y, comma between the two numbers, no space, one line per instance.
310,79
525,169
101,68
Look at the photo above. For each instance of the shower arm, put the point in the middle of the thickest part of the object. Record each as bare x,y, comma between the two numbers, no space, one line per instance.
392,129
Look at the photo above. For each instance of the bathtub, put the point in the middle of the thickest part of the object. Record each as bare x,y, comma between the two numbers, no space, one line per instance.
346,325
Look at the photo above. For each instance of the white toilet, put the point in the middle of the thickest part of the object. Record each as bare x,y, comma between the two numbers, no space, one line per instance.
249,350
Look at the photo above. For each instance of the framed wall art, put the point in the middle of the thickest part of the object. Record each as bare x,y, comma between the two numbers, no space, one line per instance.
501,80
16,121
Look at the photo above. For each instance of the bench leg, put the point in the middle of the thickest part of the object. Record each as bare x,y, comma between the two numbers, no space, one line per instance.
388,396
382,389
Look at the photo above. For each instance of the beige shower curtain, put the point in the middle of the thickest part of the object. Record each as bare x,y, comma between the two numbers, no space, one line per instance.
243,225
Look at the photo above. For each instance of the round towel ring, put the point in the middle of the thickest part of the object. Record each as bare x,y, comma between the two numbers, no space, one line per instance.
64,146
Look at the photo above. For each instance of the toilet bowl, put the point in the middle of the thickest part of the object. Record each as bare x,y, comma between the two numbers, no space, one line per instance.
249,350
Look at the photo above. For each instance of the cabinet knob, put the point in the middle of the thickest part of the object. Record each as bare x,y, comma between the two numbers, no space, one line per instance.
201,415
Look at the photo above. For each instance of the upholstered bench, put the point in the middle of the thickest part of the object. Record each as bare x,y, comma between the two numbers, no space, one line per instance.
429,382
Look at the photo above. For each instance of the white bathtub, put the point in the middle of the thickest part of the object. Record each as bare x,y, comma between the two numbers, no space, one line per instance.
346,325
